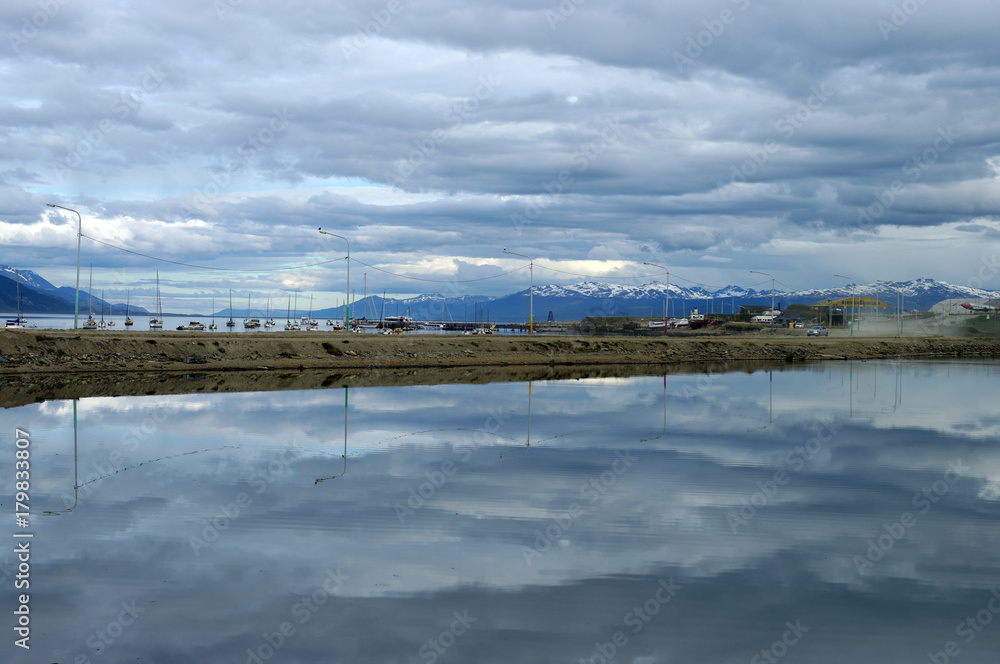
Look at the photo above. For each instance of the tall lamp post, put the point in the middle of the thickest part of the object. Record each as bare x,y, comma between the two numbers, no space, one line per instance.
772,295
79,238
853,285
347,306
666,303
531,293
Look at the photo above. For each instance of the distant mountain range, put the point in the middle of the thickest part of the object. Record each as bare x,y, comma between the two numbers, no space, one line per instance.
572,302
588,298
38,296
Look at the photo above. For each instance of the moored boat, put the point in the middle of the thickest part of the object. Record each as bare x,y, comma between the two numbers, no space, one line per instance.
20,321
128,320
213,326
90,323
157,322
230,322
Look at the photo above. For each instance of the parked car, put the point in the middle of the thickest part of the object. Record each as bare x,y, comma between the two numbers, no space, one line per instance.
798,325
817,331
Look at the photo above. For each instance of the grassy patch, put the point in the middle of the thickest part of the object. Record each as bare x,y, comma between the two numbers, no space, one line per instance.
983,327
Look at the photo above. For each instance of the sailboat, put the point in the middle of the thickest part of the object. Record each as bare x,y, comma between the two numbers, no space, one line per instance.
19,322
91,324
101,325
128,299
157,323
213,326
230,323
250,323
289,326
268,321
309,321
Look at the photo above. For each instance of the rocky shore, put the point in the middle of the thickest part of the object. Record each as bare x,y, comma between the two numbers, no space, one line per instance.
76,351
38,364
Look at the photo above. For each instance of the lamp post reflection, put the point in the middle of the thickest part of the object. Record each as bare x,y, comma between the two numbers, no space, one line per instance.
76,472
344,471
770,402
529,414
662,435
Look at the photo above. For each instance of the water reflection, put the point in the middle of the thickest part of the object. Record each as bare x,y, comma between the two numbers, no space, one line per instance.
76,471
704,518
344,471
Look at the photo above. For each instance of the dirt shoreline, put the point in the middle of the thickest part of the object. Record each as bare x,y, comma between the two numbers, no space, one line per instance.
41,364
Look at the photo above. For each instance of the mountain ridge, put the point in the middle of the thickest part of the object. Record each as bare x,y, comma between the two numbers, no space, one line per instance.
569,302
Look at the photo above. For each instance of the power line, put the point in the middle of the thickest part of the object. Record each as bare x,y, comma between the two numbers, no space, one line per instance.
396,274
205,267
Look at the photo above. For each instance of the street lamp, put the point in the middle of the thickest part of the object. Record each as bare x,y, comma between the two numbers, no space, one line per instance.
852,299
347,306
772,296
79,238
531,293
666,303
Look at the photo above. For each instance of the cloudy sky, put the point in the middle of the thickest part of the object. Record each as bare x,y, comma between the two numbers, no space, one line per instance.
714,137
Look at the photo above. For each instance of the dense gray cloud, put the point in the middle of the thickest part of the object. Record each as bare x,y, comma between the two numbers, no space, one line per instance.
803,138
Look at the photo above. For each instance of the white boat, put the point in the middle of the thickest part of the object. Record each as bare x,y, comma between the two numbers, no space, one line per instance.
268,321
289,325
308,322
250,323
193,325
213,326
157,323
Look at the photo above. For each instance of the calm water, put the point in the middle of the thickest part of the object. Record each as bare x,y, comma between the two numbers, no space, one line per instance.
836,513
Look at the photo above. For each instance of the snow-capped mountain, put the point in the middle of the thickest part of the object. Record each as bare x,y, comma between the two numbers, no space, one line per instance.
27,278
589,298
